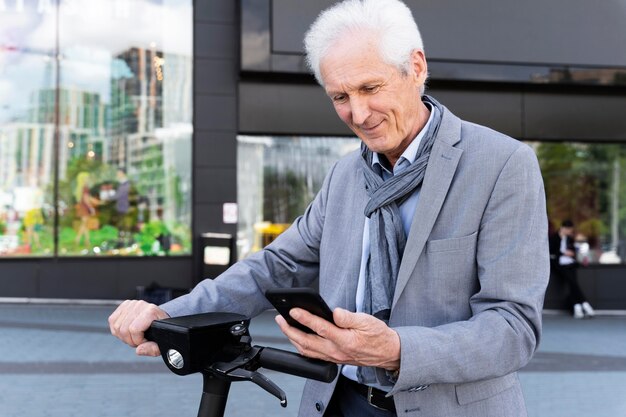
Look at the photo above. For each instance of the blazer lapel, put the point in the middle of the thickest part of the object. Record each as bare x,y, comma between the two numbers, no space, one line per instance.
442,165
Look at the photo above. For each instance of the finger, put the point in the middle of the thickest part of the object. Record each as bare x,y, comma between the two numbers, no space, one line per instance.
286,328
131,323
115,316
309,345
147,314
295,336
148,349
320,326
121,323
345,319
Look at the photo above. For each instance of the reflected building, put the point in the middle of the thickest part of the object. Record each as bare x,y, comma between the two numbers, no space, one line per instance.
27,148
150,127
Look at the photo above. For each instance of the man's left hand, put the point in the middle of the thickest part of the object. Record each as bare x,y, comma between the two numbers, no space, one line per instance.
355,339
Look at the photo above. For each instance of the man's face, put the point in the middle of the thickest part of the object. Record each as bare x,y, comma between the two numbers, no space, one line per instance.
379,103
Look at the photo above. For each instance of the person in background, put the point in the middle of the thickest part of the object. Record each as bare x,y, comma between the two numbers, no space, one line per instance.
564,263
430,243
85,207
122,208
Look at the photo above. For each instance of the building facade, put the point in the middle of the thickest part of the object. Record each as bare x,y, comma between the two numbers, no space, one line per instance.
262,132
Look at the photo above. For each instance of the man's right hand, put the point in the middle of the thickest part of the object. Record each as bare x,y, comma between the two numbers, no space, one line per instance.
129,322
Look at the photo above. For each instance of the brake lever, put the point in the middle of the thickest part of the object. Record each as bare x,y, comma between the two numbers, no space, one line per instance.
262,381
243,368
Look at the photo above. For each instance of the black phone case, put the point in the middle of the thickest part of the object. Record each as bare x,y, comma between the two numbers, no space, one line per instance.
284,299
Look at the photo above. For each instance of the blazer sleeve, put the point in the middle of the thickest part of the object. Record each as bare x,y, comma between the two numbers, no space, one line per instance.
292,259
512,260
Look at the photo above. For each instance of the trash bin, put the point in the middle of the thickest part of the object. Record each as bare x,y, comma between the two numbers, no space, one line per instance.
217,254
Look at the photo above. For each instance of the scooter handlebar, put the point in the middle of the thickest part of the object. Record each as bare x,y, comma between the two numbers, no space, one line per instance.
298,365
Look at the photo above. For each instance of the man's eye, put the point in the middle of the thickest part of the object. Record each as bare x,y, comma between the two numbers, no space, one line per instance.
370,89
340,98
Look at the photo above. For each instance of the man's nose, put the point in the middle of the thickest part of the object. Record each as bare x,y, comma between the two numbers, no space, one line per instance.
360,110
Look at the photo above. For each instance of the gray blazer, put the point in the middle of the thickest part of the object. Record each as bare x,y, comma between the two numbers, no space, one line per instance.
468,301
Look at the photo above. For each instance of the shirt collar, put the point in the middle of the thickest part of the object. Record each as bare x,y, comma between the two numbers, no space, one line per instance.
410,153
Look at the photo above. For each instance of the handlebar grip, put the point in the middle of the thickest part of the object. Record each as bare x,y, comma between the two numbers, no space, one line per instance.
298,365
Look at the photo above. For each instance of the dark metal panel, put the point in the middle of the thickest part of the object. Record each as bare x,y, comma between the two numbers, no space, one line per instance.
215,185
172,272
212,40
215,10
290,20
18,278
215,76
532,31
574,116
501,111
83,278
209,219
255,35
604,285
287,109
214,112
305,109
215,149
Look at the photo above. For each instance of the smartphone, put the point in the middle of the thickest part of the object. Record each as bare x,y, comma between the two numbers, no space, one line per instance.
284,299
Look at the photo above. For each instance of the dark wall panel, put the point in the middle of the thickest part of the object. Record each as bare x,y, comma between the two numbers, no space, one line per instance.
216,52
174,273
209,219
287,109
92,278
19,278
83,278
604,286
501,111
531,31
215,149
223,11
215,185
215,112
215,40
215,76
574,117
305,109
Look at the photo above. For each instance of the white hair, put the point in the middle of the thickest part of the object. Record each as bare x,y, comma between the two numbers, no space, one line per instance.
389,21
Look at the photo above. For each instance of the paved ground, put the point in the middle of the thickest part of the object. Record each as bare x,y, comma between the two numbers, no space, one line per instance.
60,361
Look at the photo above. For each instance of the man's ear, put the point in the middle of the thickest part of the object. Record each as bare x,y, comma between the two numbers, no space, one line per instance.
419,65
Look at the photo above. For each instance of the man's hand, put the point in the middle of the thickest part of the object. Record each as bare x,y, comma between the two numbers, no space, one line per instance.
356,339
131,319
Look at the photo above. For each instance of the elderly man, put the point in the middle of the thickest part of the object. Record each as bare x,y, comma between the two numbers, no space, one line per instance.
430,243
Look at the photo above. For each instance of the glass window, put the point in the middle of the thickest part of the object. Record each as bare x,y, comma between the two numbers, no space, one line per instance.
95,119
586,183
277,178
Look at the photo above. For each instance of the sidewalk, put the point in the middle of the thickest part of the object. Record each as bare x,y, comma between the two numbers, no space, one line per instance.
60,361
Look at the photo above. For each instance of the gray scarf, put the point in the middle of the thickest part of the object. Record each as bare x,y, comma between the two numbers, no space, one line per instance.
387,237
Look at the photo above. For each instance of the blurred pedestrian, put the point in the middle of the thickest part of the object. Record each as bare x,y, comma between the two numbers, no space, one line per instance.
564,263
85,208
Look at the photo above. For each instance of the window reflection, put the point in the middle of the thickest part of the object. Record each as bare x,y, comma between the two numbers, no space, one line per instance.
277,178
27,68
121,112
586,183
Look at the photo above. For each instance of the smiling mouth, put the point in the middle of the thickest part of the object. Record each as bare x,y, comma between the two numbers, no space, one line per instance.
372,128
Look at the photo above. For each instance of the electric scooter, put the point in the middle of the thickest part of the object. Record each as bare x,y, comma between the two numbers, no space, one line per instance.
219,346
